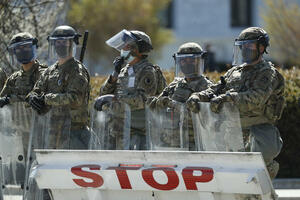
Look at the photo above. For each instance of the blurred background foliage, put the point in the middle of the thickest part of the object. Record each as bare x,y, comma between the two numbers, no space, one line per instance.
105,18
282,22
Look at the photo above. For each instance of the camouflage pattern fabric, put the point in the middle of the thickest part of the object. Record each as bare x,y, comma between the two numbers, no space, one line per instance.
3,78
146,83
17,86
21,82
134,84
67,86
257,91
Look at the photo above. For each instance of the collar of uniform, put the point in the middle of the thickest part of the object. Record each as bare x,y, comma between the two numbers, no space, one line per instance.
66,65
196,79
137,65
32,69
257,65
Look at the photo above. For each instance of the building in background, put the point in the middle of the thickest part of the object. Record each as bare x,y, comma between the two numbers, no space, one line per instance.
214,22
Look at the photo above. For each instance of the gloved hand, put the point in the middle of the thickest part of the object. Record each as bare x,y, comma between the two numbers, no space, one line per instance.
4,101
162,101
118,62
193,103
37,103
217,102
205,96
102,100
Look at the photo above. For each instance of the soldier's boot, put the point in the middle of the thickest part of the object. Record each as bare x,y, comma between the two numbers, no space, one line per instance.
273,168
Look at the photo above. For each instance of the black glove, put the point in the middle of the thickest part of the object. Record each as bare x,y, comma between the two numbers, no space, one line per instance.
37,103
102,100
4,101
118,62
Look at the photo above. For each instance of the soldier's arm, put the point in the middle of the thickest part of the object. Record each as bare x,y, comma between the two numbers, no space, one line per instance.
211,90
168,90
3,78
146,87
75,94
256,96
40,85
109,86
8,90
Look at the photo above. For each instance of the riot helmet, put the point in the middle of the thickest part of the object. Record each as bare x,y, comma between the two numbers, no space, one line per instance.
189,60
22,48
246,46
125,41
62,42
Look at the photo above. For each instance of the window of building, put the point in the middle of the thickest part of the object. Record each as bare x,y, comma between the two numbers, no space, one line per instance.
166,16
241,13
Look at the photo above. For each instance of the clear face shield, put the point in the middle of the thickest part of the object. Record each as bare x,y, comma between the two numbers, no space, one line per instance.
61,47
245,52
121,40
22,52
189,65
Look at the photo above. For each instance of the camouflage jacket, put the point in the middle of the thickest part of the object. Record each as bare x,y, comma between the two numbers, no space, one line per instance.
256,90
180,89
135,83
66,86
3,78
21,82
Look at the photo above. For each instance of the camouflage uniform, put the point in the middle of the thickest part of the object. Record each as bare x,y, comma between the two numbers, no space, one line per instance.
181,88
66,89
16,88
3,78
21,82
133,83
257,90
149,81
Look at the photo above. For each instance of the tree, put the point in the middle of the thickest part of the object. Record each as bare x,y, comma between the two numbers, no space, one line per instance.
282,22
37,17
104,18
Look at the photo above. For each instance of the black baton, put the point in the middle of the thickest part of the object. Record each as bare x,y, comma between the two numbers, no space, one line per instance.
85,38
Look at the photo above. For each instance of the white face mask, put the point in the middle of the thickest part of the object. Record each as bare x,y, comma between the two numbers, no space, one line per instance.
126,55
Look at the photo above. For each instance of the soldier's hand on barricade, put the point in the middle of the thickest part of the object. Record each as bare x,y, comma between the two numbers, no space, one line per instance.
102,100
217,102
37,103
118,63
193,103
4,101
162,101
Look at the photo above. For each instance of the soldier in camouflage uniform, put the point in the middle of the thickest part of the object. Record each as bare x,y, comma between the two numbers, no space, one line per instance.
134,82
189,78
3,78
256,88
22,48
64,90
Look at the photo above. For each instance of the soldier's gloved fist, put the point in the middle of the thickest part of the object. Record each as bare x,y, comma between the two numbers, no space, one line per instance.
118,63
102,100
37,103
217,102
162,101
193,103
4,101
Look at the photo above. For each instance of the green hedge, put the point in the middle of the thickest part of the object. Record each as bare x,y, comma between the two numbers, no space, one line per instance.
289,124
